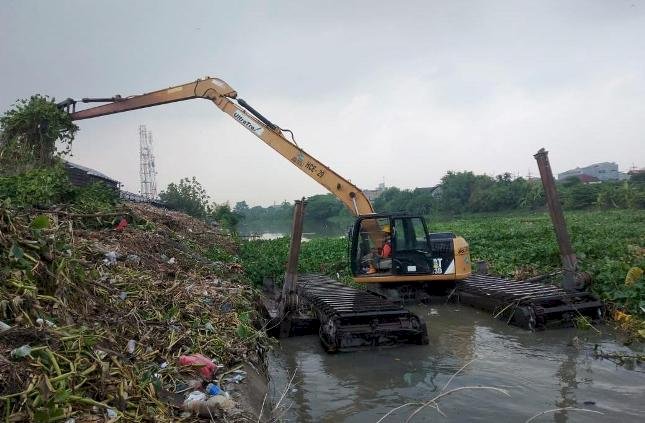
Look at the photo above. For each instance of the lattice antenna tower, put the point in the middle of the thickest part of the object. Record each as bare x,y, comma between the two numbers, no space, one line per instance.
147,171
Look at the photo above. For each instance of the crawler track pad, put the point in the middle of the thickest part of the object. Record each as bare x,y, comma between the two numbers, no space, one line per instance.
530,305
352,319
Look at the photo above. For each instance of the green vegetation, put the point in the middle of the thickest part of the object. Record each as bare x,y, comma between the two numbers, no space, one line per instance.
462,193
29,133
44,187
223,214
268,258
31,166
190,197
607,243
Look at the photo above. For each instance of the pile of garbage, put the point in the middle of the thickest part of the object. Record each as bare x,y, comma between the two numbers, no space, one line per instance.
121,316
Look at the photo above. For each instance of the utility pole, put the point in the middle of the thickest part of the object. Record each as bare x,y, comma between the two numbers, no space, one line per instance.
147,170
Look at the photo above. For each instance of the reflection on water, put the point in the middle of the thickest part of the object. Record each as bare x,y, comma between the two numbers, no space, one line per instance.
541,371
278,229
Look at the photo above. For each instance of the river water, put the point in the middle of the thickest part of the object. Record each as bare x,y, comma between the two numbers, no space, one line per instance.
540,371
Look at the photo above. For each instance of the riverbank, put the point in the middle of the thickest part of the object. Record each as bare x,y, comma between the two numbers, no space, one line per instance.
98,310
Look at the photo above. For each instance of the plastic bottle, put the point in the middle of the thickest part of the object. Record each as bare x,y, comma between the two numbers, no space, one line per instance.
213,389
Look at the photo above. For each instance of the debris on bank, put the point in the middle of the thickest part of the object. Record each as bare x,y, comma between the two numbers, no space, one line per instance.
122,316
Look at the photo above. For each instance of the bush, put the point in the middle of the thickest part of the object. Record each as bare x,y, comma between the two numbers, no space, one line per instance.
188,196
37,187
95,198
29,132
225,216
44,187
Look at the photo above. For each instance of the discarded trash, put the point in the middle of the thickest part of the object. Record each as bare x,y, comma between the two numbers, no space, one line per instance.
110,258
164,365
213,389
4,326
21,352
197,403
194,401
122,225
172,260
226,308
199,360
194,384
42,322
131,346
221,401
111,413
238,376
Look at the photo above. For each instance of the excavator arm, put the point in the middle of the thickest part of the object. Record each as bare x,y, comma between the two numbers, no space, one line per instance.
225,97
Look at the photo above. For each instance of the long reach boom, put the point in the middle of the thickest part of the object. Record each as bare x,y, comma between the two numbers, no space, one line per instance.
225,97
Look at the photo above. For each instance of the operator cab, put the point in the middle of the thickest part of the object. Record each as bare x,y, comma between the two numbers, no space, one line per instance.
398,244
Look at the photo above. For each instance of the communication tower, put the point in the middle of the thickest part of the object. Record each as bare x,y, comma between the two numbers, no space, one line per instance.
147,171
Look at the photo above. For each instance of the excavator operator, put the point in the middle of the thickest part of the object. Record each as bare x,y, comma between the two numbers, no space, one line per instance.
381,259
386,251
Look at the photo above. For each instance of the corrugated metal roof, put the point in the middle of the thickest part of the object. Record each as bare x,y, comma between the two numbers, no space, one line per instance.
90,171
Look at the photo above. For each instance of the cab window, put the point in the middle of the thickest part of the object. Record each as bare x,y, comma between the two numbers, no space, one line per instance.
410,234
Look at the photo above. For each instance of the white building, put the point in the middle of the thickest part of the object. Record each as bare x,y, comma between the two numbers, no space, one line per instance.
373,194
606,171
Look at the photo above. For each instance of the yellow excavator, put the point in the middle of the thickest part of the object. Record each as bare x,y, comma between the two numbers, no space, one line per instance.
392,253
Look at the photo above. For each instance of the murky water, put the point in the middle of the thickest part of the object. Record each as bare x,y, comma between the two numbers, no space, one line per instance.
541,371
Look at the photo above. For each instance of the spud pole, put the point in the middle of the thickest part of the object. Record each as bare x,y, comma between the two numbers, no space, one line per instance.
289,300
569,260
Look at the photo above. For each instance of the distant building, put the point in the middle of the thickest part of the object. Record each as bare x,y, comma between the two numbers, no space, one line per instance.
635,171
607,171
586,179
373,194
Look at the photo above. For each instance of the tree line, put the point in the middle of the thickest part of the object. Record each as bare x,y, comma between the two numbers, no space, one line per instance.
465,193
189,196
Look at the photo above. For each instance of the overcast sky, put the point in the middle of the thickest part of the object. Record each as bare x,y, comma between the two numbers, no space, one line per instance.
399,91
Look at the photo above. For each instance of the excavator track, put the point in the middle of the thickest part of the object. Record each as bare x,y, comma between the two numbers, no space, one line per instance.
353,319
529,305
